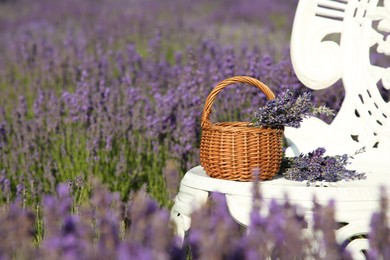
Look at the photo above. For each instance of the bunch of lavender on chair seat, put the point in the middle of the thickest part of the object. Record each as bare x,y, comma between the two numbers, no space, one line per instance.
286,110
315,166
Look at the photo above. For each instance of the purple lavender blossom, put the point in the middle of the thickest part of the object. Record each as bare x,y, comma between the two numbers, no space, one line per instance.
316,166
287,110
379,236
324,233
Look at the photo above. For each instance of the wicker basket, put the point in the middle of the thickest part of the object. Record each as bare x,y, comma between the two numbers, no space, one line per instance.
234,150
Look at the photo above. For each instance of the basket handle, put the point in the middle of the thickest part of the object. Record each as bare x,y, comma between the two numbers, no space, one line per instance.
221,85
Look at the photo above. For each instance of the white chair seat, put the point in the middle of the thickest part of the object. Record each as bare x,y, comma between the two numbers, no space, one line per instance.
355,201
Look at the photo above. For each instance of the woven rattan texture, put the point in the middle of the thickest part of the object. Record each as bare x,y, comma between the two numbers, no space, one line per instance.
234,150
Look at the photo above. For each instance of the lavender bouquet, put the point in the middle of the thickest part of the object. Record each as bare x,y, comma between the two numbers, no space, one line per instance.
317,167
286,110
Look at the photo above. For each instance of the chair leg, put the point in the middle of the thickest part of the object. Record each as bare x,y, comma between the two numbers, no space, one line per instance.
186,201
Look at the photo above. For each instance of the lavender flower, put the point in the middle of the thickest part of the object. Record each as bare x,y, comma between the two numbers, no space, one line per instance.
316,166
286,110
214,234
324,226
379,236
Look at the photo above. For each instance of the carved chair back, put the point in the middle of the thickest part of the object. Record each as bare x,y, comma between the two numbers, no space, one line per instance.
336,40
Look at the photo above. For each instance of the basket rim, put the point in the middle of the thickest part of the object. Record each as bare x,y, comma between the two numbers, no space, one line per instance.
241,125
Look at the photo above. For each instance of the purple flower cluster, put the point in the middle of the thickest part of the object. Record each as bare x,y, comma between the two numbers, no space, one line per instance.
104,227
287,110
316,166
380,231
107,227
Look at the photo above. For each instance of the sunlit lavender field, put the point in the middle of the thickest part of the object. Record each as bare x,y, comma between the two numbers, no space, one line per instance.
100,106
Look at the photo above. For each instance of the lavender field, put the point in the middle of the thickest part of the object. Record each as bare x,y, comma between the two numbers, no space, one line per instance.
100,106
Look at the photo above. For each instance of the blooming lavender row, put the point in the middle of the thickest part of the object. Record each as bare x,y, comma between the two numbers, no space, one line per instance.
116,99
107,227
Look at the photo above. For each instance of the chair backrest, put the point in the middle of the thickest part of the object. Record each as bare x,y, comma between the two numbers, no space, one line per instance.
332,40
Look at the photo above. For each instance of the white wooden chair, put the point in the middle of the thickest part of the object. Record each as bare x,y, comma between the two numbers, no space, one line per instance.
331,40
